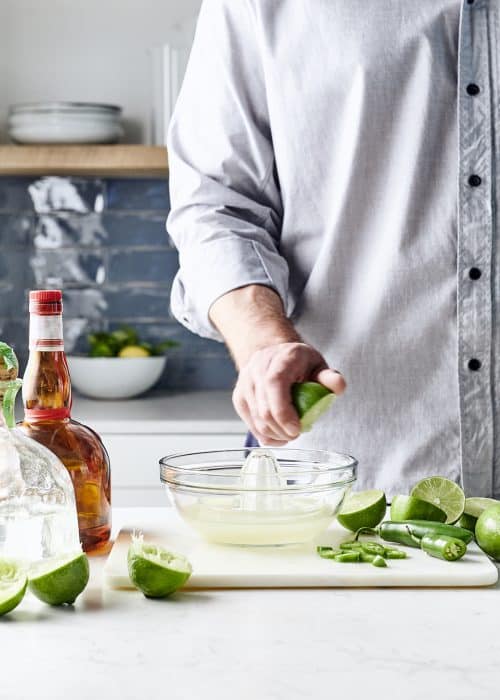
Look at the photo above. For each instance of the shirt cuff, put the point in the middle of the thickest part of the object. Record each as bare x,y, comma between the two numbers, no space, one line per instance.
215,268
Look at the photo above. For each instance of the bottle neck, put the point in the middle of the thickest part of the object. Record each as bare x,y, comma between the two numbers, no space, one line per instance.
46,382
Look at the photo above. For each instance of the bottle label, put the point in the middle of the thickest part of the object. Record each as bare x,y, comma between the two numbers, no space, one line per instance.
46,333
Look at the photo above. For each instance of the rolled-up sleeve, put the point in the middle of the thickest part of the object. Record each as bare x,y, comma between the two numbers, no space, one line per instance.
226,209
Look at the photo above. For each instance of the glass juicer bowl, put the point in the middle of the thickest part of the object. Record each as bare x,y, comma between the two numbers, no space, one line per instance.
261,496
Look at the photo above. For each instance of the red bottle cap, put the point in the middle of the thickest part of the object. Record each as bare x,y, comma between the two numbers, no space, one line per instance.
46,302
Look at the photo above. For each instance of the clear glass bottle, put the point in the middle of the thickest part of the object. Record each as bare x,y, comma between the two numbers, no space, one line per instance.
47,419
38,518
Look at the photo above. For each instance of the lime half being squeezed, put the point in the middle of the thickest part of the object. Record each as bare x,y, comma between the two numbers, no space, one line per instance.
311,401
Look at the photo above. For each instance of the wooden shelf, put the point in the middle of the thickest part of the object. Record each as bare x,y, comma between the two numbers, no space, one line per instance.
94,161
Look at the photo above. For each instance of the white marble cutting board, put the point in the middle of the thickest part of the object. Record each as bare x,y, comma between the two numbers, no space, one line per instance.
216,566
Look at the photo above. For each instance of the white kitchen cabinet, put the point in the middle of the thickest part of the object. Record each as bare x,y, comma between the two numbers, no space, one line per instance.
137,433
135,461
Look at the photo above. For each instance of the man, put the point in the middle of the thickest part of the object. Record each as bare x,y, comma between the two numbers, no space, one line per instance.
331,211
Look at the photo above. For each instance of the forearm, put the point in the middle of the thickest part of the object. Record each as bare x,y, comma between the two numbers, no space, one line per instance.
251,318
271,357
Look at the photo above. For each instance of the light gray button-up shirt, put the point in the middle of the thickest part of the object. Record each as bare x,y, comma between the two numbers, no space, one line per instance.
325,148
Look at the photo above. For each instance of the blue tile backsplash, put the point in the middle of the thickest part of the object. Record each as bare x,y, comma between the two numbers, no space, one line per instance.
104,243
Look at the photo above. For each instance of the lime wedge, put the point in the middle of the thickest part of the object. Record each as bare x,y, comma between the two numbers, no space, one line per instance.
443,493
474,507
59,582
13,582
311,400
362,509
154,570
412,508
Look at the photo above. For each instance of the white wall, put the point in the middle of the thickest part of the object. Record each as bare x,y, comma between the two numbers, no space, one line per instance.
90,50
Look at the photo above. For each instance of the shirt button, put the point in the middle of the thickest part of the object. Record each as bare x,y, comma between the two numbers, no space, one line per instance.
474,365
474,273
474,180
472,89
470,2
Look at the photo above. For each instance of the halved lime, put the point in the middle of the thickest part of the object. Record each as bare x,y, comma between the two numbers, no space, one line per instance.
154,570
60,581
13,582
362,509
311,400
443,493
412,508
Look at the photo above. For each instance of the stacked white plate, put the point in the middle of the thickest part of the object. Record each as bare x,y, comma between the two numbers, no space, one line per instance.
64,122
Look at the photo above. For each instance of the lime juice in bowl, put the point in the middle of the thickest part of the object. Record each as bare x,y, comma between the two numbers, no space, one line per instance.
258,497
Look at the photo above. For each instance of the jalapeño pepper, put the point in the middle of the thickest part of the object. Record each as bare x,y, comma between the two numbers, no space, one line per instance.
443,547
411,532
347,546
373,548
366,556
395,554
348,556
328,552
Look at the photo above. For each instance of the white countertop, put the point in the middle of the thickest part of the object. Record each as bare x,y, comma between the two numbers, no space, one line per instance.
175,412
254,644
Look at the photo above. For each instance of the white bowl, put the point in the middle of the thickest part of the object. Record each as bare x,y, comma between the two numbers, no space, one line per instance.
64,108
115,377
66,121
62,131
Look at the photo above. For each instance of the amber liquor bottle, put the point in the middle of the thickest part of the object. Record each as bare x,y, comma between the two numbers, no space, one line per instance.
47,419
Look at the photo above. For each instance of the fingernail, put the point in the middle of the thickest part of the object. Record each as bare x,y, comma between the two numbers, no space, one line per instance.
292,429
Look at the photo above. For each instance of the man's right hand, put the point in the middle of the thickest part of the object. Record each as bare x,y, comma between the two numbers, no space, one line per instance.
262,396
270,356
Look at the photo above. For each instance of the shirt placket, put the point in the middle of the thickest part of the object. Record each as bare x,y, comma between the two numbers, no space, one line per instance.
495,88
475,236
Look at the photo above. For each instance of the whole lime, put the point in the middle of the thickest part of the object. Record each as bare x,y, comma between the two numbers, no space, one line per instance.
488,532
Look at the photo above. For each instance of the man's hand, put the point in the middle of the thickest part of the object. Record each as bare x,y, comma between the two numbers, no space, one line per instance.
271,356
262,396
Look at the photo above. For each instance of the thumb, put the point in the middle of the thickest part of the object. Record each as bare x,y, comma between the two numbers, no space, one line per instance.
332,379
